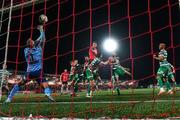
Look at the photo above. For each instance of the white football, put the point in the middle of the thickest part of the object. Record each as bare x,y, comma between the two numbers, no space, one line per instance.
43,18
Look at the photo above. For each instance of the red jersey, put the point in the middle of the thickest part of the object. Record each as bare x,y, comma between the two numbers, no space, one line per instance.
64,76
92,53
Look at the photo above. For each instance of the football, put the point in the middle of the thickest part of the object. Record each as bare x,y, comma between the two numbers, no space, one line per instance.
43,18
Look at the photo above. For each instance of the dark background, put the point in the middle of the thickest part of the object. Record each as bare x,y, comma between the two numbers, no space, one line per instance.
137,44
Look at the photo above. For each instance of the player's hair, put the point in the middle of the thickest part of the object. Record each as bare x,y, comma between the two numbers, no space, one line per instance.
28,41
163,44
114,54
94,42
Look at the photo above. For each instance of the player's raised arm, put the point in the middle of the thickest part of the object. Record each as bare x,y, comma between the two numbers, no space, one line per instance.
42,19
41,38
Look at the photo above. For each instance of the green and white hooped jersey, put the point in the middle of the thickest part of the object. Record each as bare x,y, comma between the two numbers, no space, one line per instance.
115,63
6,73
164,54
94,63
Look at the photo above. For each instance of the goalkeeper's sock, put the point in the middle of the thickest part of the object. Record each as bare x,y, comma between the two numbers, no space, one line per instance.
13,91
47,91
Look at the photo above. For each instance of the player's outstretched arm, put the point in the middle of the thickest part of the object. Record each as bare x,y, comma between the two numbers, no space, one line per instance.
128,73
104,63
126,70
41,38
159,58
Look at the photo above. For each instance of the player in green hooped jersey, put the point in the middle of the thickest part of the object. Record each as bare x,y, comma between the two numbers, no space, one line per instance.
165,71
75,77
117,71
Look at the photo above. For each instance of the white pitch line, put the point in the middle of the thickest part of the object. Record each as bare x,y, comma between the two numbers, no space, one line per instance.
99,102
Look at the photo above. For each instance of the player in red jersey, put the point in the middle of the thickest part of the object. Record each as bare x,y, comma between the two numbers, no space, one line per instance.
64,79
93,51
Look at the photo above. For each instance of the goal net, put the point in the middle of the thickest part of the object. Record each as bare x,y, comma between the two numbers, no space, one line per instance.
137,25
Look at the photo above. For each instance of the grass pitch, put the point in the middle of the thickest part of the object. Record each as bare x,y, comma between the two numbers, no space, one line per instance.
103,104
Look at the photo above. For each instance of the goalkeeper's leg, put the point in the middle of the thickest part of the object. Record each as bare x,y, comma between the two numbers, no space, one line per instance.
47,91
14,90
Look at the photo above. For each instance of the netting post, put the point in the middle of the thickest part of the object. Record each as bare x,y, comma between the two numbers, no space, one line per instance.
19,38
151,34
6,50
90,22
73,30
171,30
41,76
31,28
58,30
130,39
109,18
152,52
2,12
172,47
73,53
109,35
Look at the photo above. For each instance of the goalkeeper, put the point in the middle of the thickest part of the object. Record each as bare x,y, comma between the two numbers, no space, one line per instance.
33,55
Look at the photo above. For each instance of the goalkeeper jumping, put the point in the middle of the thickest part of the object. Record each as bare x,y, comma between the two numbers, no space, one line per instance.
33,55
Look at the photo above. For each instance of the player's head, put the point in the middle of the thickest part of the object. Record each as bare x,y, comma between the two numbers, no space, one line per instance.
30,43
86,58
94,44
65,70
75,62
114,54
71,63
162,46
110,59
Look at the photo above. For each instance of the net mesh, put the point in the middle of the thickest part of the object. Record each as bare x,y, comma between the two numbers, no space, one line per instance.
72,27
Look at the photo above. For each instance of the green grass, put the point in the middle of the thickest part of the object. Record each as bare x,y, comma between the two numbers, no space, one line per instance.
95,110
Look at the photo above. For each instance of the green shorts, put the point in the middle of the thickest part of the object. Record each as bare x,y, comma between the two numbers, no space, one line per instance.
118,71
165,71
89,74
74,77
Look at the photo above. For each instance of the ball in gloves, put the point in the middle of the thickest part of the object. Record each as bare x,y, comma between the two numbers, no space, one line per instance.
43,18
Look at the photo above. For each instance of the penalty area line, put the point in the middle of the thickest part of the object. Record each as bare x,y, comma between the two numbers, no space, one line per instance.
98,102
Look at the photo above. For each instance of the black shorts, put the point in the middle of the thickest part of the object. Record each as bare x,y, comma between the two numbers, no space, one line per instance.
36,75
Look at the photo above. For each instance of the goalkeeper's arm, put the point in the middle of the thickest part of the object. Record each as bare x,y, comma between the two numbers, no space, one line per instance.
41,38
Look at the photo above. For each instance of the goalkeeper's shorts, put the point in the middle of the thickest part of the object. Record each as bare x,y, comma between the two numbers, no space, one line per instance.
35,75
